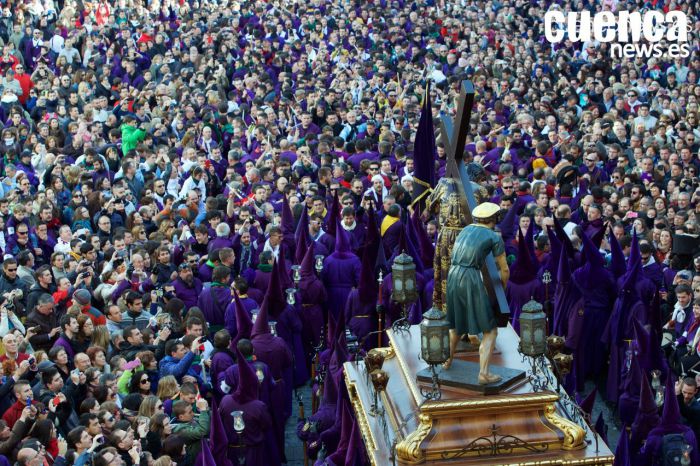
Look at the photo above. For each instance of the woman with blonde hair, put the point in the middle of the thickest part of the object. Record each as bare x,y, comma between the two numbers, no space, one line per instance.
150,406
101,338
168,388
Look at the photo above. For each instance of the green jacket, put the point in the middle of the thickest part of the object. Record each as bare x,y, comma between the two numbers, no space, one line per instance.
131,136
193,432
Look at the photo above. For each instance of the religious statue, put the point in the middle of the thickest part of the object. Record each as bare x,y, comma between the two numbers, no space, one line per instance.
446,201
469,308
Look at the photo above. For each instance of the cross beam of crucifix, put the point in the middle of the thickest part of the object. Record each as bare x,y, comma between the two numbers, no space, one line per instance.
455,140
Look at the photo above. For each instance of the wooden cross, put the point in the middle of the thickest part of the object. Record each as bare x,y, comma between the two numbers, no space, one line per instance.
455,140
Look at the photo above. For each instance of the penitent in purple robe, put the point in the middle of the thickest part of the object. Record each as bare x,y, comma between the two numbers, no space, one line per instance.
274,352
651,453
523,284
597,287
230,378
341,273
213,302
313,297
289,326
253,443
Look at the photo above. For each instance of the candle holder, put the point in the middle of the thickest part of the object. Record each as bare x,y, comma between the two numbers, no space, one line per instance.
273,327
374,360
239,427
319,263
555,344
380,379
291,298
296,275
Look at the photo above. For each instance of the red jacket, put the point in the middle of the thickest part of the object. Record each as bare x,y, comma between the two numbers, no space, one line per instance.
14,412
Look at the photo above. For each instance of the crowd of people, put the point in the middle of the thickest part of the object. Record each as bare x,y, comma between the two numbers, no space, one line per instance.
196,199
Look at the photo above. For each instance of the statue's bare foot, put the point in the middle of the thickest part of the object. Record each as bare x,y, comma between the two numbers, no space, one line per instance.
488,378
447,364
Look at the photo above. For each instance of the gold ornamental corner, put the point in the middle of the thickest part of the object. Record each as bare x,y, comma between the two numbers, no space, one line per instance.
574,435
409,449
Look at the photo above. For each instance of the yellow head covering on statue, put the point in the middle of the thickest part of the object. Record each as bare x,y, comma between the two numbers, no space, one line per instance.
485,212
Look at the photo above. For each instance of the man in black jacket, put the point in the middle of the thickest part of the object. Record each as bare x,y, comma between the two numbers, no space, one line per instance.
43,316
133,343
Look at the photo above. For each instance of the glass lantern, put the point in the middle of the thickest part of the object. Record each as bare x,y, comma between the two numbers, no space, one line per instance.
273,327
319,263
403,279
291,300
533,330
238,422
435,337
296,274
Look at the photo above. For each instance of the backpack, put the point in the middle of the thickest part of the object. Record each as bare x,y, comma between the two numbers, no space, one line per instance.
672,449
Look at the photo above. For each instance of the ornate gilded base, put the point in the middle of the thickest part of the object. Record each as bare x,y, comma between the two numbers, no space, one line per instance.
465,427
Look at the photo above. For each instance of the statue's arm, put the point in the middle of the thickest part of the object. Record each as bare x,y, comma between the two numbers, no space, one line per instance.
503,269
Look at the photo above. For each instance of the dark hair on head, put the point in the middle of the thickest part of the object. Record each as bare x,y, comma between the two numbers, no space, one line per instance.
222,339
171,346
245,347
135,382
73,437
172,446
85,418
41,430
86,406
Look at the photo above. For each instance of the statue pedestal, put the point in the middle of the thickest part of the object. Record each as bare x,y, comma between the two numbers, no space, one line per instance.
467,426
464,374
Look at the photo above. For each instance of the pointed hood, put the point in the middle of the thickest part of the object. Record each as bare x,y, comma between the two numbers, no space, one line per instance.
601,428
244,324
555,246
217,441
373,235
330,391
277,298
287,223
634,267
381,263
285,279
308,270
333,225
622,452
643,340
591,254
411,245
247,389
563,270
302,242
368,288
671,415
425,246
424,149
523,270
342,242
617,257
340,351
262,324
633,380
586,404
530,241
303,225
635,255
507,225
564,239
647,416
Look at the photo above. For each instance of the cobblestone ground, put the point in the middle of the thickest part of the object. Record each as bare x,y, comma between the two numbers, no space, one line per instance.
293,446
